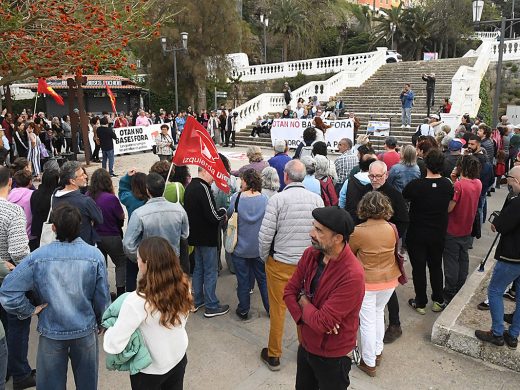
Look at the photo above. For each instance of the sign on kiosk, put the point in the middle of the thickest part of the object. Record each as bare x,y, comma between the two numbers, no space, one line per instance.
291,130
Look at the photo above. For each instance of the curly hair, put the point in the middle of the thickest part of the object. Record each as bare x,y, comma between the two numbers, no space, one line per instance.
100,182
469,166
252,179
164,286
270,179
138,186
254,153
375,205
19,164
162,168
425,143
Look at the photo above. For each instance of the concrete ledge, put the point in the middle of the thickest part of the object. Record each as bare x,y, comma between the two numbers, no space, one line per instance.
451,329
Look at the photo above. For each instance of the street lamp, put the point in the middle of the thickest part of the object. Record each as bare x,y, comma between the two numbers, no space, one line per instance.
392,30
264,19
174,49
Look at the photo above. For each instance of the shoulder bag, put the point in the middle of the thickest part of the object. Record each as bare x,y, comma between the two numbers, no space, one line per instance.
48,234
403,279
230,241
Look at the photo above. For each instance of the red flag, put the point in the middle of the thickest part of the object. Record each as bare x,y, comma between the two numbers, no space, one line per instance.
111,97
43,87
197,148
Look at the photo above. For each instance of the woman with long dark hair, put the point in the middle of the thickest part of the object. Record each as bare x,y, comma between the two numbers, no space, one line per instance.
20,139
41,204
101,190
159,309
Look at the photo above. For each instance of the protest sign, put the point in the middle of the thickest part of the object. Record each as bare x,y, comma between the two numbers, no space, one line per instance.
291,130
378,128
136,138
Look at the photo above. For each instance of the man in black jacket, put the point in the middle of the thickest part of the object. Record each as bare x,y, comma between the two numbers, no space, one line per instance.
507,268
106,137
204,219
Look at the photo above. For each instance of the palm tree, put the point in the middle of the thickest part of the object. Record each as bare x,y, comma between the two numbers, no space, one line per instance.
289,20
383,30
417,29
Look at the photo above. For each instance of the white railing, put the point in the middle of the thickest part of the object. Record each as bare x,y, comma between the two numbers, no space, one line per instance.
485,35
274,102
511,50
312,66
465,86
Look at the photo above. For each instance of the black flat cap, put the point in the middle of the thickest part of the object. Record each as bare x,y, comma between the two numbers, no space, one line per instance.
336,219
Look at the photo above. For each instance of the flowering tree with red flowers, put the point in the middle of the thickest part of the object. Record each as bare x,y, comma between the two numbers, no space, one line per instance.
43,38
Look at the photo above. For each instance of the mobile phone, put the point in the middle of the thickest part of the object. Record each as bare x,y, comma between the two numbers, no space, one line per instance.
493,216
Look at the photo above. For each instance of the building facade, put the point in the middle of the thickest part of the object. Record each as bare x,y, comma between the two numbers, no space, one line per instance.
377,4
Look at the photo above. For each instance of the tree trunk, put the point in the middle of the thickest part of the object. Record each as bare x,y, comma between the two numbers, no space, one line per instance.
285,47
201,95
441,48
9,99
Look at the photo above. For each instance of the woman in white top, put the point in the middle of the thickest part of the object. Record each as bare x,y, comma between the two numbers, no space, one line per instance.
164,144
159,309
34,150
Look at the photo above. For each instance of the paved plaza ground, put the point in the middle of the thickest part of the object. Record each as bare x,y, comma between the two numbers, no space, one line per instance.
224,352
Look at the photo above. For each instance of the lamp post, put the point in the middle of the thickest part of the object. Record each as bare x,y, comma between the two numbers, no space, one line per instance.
174,49
264,19
392,30
511,33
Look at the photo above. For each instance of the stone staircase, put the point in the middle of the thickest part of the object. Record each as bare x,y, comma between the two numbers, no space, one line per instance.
378,98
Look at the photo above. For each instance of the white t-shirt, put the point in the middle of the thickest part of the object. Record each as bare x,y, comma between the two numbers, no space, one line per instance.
167,346
426,129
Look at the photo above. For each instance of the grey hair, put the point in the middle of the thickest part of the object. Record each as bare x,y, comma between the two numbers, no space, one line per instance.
254,153
378,163
280,145
310,164
295,170
322,166
68,172
408,156
347,141
270,179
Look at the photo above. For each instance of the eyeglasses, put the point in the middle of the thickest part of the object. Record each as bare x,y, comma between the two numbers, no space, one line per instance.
510,177
376,176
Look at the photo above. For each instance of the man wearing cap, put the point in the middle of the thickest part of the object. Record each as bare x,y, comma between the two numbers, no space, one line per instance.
283,237
279,159
390,157
454,152
324,297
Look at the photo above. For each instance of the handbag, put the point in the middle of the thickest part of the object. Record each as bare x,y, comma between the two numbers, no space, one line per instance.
48,235
403,279
230,241
154,149
43,150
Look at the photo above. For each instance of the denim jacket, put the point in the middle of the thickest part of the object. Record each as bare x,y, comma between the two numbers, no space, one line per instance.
71,278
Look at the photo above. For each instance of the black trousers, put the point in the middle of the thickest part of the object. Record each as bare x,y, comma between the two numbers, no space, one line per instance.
426,253
315,372
172,380
230,134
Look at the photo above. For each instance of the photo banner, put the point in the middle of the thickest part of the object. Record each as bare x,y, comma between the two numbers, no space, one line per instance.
291,130
378,128
136,138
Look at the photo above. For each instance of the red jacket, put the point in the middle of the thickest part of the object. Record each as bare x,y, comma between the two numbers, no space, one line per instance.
337,300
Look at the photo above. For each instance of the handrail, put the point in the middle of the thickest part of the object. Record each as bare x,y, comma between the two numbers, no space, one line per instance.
511,50
275,102
311,66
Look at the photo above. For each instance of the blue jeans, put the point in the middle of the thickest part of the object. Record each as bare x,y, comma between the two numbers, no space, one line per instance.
244,268
503,274
108,154
18,346
53,360
205,275
3,363
406,116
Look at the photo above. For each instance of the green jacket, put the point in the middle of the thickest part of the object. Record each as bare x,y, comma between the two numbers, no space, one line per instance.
135,356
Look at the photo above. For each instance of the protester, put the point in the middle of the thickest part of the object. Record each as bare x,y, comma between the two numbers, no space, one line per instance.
354,188
429,200
507,268
484,133
452,157
214,127
270,182
406,170
462,211
41,203
327,190
345,162
286,90
407,98
72,179
142,120
279,160
21,195
285,228
106,138
390,156
164,143
121,121
93,126
21,140
110,231
157,217
424,145
34,154
310,182
324,297
231,128
250,206
374,243
320,148
69,278
256,161
204,219
159,310
305,146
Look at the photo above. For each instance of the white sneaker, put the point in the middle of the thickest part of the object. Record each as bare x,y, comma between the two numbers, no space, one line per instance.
403,126
257,136
250,136
408,126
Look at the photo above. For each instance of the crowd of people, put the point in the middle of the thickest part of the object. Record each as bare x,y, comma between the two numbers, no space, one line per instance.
321,238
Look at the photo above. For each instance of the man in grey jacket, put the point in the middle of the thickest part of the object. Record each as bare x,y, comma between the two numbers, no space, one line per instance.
157,217
284,235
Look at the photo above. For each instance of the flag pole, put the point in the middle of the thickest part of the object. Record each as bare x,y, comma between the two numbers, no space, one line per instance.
35,101
168,177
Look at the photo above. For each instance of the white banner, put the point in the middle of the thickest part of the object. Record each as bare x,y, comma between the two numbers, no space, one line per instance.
136,138
291,130
378,128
